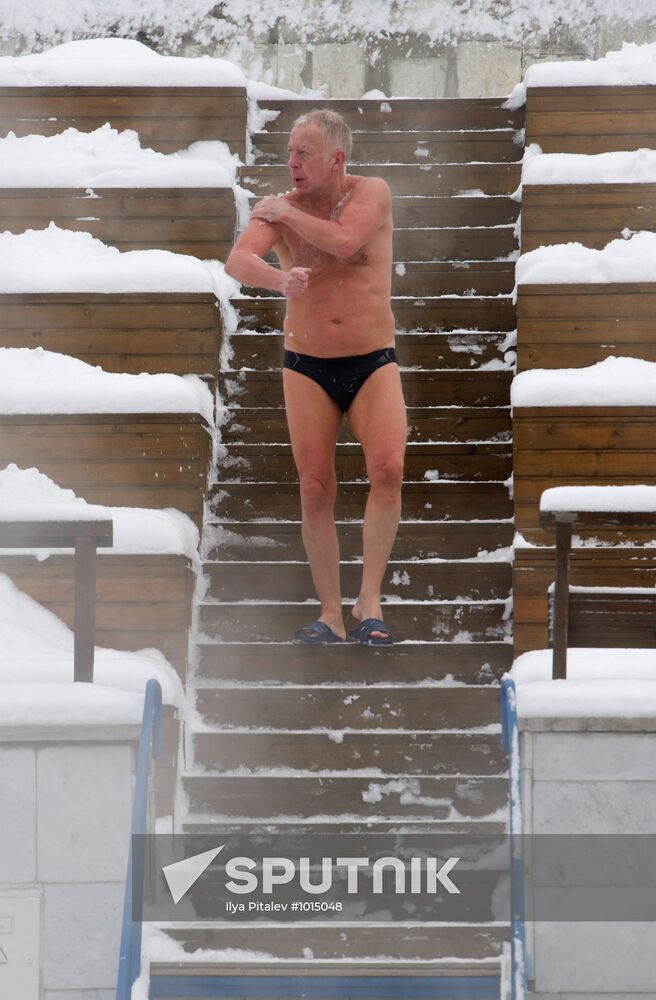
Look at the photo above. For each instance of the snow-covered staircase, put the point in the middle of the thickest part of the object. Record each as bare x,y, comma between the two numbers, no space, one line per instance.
348,738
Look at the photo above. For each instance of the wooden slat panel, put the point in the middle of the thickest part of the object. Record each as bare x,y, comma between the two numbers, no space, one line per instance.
143,467
172,117
121,333
590,119
577,446
402,147
534,572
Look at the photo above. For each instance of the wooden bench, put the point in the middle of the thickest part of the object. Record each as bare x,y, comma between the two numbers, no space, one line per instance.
591,214
84,536
591,119
122,332
199,221
166,118
578,446
143,601
122,460
570,510
595,617
575,325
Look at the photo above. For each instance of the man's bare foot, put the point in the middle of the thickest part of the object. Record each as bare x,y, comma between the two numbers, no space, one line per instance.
371,609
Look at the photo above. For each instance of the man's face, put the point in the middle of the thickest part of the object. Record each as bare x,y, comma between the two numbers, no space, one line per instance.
310,161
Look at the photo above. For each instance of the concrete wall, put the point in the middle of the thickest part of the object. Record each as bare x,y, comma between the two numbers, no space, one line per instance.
590,782
64,834
486,54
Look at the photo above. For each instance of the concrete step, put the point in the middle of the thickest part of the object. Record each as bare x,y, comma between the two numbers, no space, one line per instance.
252,425
411,662
415,540
456,349
478,277
432,179
385,753
495,313
396,114
431,387
468,462
402,147
291,581
476,621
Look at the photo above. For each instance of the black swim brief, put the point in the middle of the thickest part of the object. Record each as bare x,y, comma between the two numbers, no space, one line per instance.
341,378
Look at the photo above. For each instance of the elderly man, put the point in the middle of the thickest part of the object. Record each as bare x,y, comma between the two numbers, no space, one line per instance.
333,236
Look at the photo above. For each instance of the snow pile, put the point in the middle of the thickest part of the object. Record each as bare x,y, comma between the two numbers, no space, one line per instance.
630,499
635,167
611,382
28,493
107,62
601,683
629,260
109,158
60,260
36,671
631,66
33,380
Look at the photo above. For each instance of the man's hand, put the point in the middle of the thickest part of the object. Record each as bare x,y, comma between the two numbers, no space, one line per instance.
294,282
271,209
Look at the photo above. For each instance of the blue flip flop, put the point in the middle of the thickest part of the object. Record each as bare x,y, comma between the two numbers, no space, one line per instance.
315,633
368,625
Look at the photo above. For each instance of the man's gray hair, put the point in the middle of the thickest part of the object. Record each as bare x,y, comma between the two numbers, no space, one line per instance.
332,126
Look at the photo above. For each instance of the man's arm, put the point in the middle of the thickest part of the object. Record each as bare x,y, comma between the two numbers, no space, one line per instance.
246,265
361,217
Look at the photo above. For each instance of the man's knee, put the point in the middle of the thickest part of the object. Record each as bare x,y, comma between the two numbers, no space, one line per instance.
318,491
386,471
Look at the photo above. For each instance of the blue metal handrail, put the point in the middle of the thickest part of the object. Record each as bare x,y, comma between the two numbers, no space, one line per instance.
129,963
510,735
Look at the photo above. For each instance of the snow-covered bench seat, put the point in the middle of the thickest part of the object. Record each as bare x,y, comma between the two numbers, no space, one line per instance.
170,101
590,199
577,305
104,182
581,427
139,311
120,440
144,582
622,612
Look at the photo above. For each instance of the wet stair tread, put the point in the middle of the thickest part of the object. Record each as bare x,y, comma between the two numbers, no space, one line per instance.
287,662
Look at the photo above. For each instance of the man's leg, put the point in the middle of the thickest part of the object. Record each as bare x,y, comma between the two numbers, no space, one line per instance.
314,421
378,419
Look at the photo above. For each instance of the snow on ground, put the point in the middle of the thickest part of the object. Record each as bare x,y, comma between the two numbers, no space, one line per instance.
615,683
109,158
33,380
36,671
25,493
611,382
622,260
599,498
60,260
632,65
634,167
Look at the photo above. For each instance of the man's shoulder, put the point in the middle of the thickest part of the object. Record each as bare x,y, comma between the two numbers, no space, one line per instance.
373,186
